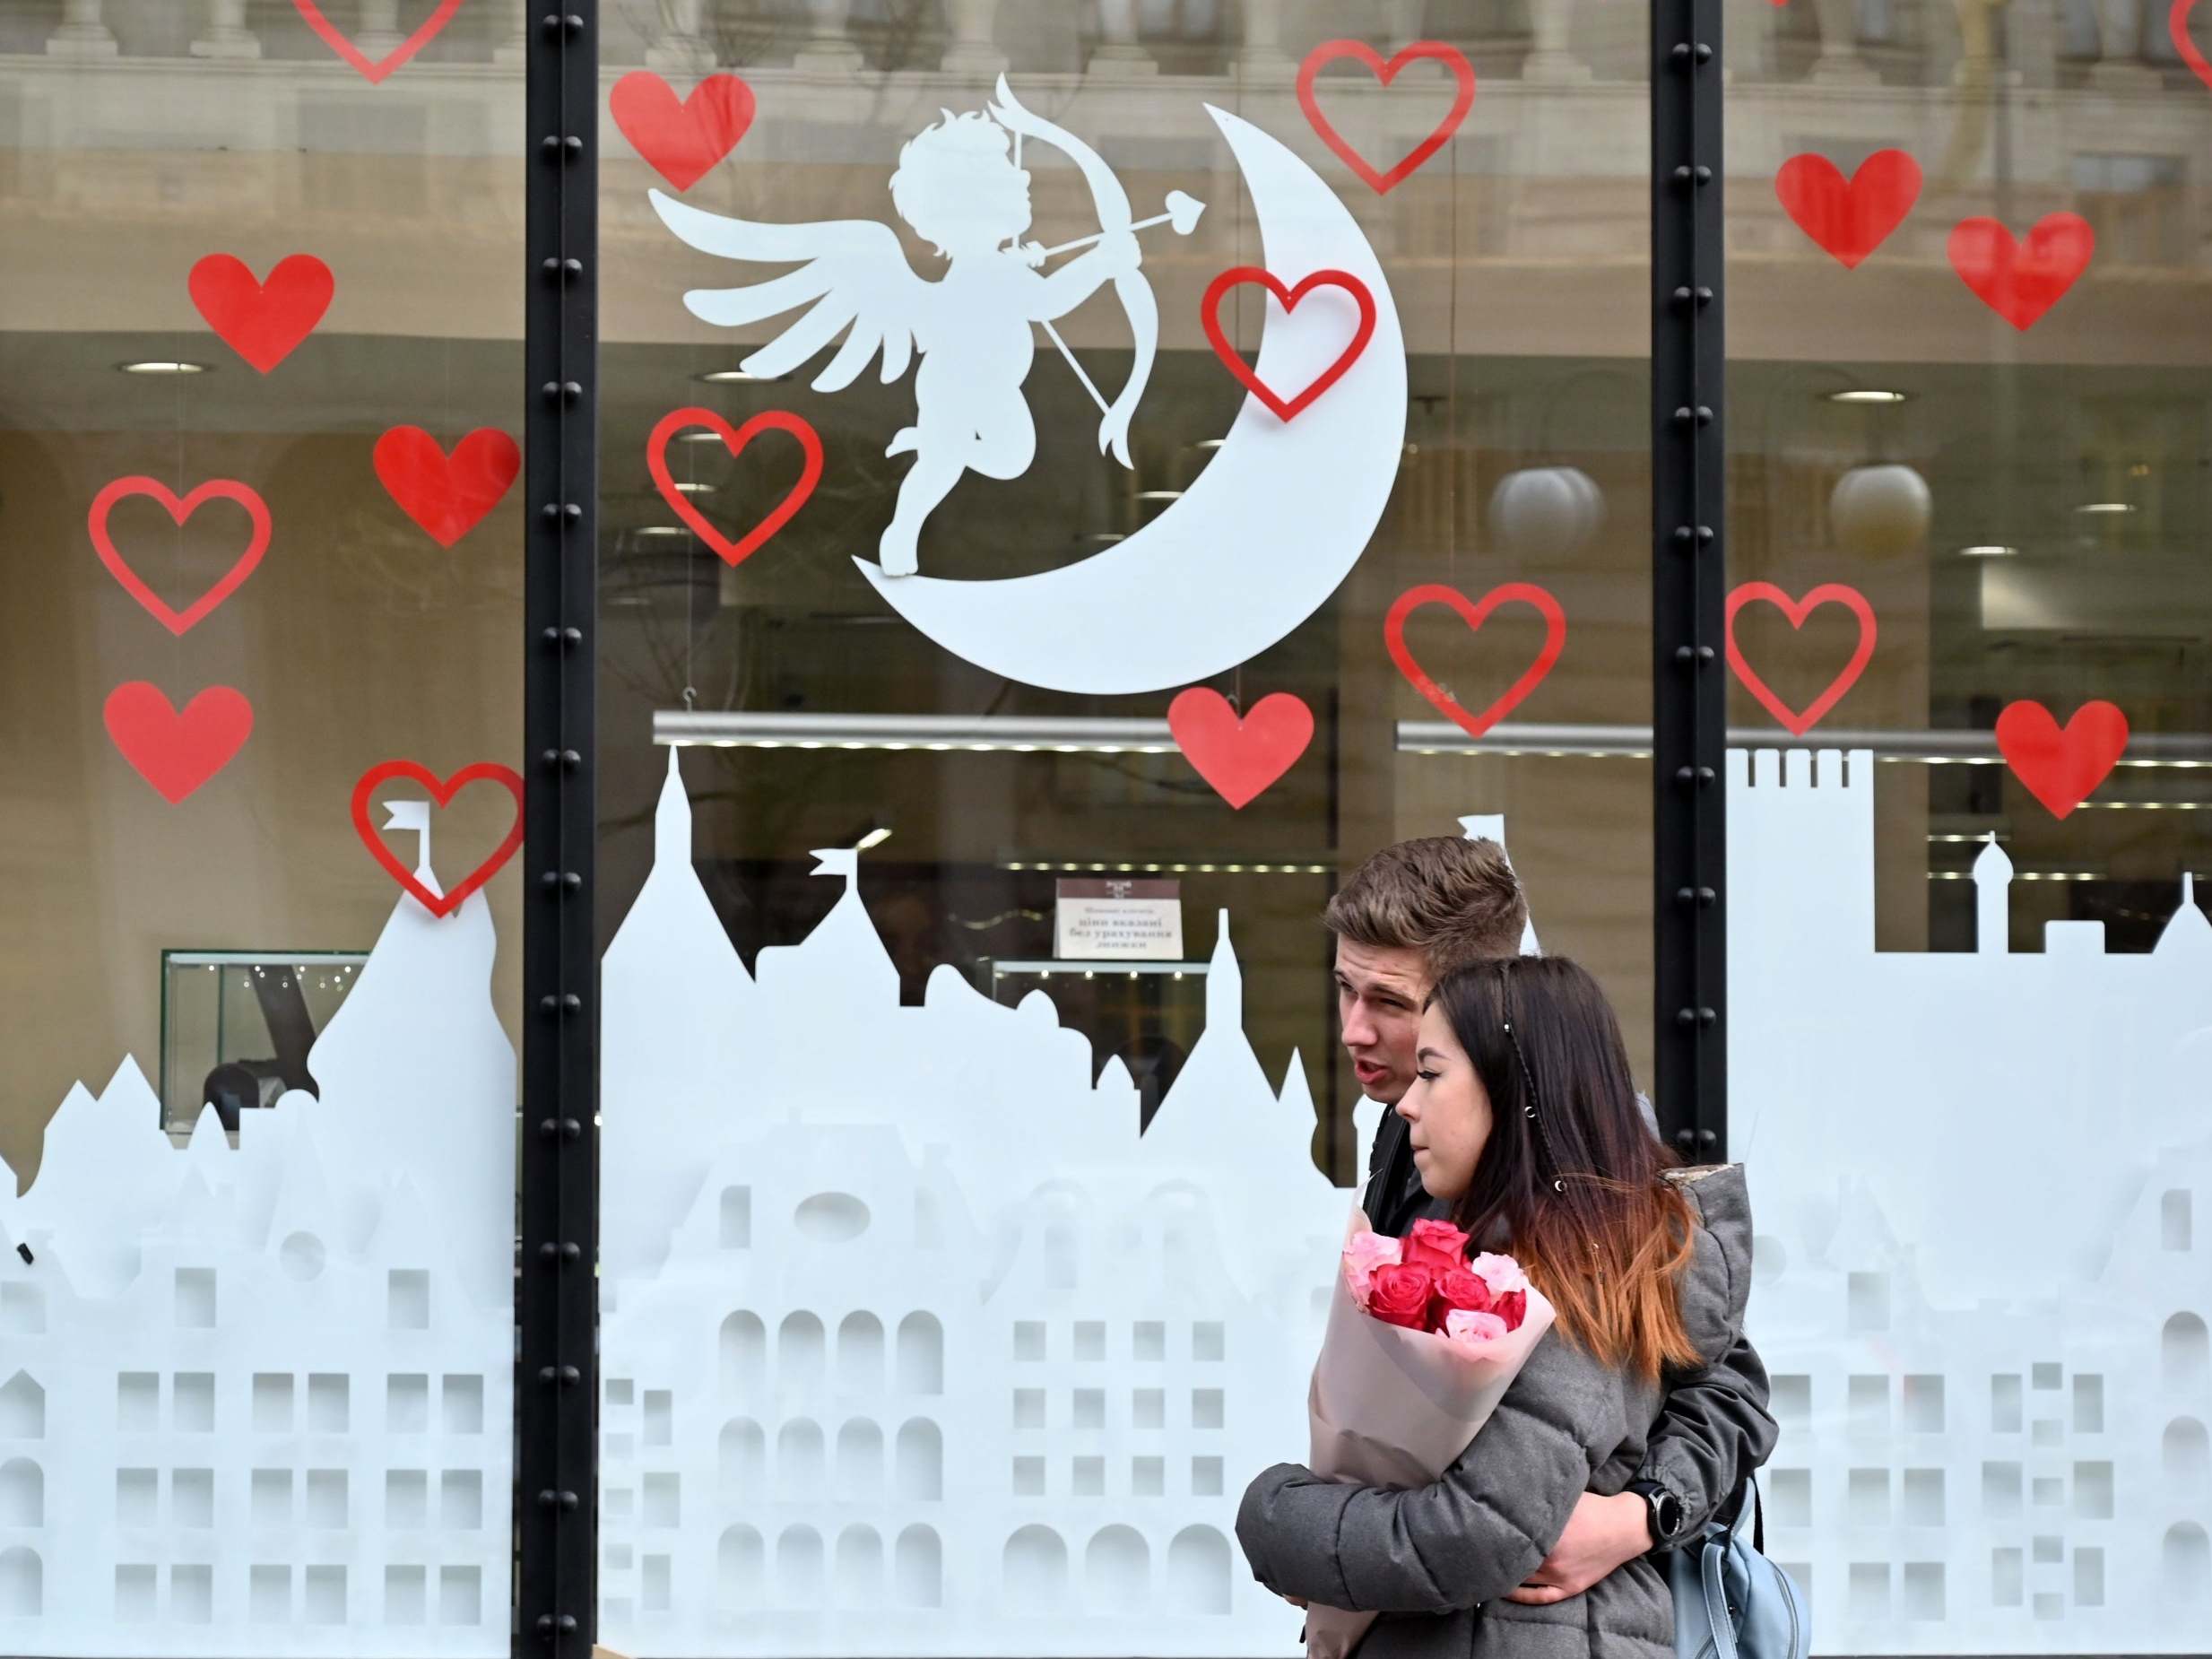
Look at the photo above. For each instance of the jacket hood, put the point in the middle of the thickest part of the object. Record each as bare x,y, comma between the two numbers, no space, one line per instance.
1716,1285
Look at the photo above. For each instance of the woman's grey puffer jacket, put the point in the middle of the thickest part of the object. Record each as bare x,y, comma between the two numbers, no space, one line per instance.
1437,1561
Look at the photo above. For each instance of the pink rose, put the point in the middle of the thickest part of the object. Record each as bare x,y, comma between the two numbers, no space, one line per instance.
1401,1295
1500,1272
1439,1244
1472,1329
1457,1291
1364,1254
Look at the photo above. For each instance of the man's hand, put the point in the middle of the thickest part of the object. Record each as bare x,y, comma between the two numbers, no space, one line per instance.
1602,1534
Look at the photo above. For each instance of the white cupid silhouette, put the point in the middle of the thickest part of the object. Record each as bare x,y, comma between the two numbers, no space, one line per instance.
959,190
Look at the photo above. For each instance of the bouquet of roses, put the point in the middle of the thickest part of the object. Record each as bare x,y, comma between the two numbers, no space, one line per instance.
1422,1343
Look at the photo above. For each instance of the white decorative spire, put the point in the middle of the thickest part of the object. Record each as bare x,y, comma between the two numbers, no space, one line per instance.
1992,882
2189,928
415,815
1225,984
671,819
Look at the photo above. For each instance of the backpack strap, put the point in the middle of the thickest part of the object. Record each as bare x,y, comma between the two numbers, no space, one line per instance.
1714,1556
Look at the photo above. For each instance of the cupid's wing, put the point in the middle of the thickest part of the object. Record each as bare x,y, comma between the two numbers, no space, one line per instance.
854,273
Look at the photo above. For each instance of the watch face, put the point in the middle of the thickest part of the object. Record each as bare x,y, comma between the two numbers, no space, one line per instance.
1670,1509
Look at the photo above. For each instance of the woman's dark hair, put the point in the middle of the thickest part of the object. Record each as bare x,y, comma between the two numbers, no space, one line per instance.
1571,1180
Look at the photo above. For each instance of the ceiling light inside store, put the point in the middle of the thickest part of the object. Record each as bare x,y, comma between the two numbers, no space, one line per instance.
2106,506
1159,495
726,377
875,838
1989,550
1866,394
661,530
163,366
688,488
1210,443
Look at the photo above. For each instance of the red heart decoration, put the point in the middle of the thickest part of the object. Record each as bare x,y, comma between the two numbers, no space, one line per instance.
1359,51
735,440
682,141
2021,282
1474,613
1852,220
174,751
2061,769
1210,314
1239,757
447,495
2177,25
1797,610
262,322
396,59
215,490
438,904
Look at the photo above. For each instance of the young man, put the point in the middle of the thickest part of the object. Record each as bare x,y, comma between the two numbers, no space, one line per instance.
1411,914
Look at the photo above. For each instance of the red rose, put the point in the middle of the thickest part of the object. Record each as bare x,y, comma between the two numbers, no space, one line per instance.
1399,1295
1512,1308
1439,1244
1459,1289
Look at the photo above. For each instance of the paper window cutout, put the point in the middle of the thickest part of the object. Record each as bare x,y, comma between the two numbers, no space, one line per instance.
176,750
262,321
1386,71
1800,722
2061,768
447,495
2177,27
682,140
1286,408
179,622
735,440
1850,219
420,882
2020,281
1474,613
1240,758
374,70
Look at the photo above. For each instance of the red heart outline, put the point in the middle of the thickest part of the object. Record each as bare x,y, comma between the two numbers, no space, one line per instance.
734,554
681,140
1797,610
438,904
1240,759
262,322
2177,25
2021,282
1329,51
396,58
1849,219
1474,613
214,490
177,749
448,495
1210,315
2062,770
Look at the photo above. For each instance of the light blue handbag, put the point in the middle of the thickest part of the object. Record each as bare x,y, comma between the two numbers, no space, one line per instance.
1730,1600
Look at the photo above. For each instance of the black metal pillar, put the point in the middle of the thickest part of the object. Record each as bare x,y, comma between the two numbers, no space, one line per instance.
556,1379
1689,679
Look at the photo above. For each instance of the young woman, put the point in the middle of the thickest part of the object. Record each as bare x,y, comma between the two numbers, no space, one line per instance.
1522,1115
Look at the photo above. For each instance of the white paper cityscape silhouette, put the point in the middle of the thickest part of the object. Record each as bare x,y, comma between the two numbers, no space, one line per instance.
1983,1182
258,1402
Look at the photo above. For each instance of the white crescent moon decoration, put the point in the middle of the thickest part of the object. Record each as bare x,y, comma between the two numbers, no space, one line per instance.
1262,538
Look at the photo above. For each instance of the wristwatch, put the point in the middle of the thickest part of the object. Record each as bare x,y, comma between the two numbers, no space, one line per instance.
1662,1508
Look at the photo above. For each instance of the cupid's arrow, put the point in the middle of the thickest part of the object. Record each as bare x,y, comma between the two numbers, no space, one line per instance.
1183,211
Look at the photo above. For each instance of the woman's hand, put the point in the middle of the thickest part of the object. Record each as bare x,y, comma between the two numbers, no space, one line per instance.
1601,1534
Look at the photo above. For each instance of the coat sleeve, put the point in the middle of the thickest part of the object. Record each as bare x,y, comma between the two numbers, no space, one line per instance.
1714,1429
1465,1538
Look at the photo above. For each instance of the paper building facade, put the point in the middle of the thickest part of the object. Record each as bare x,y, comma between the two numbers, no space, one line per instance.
1984,1182
911,1345
257,1402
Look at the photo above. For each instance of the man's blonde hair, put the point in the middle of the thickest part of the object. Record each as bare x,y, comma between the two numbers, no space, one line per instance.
1455,901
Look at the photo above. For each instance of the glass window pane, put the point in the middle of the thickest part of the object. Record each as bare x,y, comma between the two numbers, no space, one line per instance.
260,342
926,925
1968,400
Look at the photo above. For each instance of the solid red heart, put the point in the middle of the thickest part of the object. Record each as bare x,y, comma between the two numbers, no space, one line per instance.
1474,612
1797,610
215,490
1850,219
681,140
1210,314
2177,25
443,793
2019,282
374,72
1239,757
174,752
735,440
1329,51
2061,769
262,322
447,495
